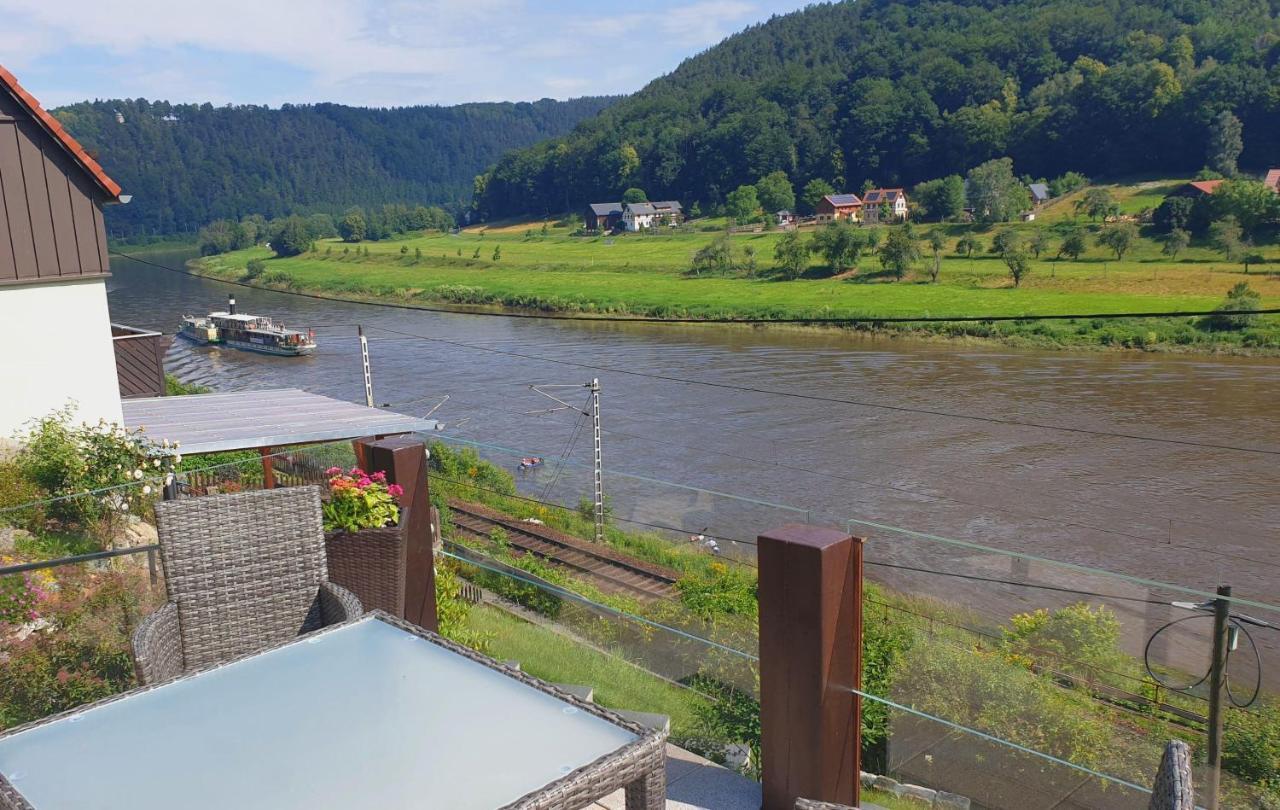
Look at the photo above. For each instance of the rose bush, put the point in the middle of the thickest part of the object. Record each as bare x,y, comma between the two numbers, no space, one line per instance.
359,500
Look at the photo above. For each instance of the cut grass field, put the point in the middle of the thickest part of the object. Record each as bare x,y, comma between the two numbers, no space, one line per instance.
516,266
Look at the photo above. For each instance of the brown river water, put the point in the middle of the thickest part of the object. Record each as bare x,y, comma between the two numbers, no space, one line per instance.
1174,512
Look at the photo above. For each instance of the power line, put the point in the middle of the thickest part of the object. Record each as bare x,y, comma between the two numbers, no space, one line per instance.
840,401
815,320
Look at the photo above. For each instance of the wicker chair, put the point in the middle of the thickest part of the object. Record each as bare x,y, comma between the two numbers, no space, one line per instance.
242,572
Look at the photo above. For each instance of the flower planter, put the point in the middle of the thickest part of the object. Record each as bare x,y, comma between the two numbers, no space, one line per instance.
371,564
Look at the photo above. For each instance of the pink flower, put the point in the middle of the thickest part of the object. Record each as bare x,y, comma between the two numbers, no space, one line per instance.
364,482
333,471
395,490
357,471
379,476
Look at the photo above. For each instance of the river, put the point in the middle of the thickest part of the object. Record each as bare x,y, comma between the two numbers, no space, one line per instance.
1172,512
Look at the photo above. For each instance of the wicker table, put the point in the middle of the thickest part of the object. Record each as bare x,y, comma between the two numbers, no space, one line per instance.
372,713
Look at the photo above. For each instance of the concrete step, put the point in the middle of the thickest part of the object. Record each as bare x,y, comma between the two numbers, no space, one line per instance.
586,693
658,722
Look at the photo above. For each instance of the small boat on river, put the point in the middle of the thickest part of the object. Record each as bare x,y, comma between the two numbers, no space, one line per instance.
254,333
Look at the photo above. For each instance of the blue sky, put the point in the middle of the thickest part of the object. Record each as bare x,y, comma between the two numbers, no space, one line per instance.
364,52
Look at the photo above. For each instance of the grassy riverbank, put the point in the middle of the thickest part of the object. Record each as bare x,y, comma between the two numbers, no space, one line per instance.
518,266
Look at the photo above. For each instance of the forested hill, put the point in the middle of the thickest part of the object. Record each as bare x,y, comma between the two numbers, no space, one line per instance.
898,92
188,164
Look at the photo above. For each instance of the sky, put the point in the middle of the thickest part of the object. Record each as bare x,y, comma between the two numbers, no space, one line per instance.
360,52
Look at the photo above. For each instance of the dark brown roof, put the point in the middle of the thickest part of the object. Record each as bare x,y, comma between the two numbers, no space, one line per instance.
10,82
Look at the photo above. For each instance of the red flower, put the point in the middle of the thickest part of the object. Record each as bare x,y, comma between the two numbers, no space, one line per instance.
395,490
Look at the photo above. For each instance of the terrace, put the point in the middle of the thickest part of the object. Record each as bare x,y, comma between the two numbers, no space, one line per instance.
667,642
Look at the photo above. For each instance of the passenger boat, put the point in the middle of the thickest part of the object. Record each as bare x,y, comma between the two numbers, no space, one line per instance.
254,333
198,329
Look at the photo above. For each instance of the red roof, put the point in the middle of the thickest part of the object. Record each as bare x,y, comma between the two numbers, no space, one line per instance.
1272,180
1205,186
10,82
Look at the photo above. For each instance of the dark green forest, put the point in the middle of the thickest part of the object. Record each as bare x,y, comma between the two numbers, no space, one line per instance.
899,92
189,164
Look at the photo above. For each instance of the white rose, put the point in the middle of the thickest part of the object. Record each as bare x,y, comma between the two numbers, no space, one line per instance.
157,462
177,459
146,489
137,475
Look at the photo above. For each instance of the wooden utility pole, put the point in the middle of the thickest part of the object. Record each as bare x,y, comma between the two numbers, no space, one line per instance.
810,663
1218,691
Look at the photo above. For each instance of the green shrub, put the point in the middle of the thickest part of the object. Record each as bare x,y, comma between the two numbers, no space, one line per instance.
255,268
173,387
277,278
452,610
719,590
1077,639
1251,745
19,499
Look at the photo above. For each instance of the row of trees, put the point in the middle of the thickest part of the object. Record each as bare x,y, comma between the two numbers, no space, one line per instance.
1250,203
293,234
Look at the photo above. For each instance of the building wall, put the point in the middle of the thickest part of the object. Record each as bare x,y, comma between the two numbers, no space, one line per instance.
50,221
56,338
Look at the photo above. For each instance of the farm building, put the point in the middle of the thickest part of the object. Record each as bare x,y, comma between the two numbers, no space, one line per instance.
834,207
602,216
884,204
1039,193
640,216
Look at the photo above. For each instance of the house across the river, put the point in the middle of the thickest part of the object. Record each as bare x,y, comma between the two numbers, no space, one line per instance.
602,216
834,207
644,215
884,205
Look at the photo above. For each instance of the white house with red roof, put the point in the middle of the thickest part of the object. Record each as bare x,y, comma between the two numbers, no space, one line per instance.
55,333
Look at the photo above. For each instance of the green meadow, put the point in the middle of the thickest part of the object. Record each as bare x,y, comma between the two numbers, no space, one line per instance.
521,266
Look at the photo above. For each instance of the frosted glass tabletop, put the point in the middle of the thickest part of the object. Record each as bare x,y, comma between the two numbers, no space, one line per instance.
363,716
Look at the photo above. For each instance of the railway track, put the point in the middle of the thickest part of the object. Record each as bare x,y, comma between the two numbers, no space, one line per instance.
608,569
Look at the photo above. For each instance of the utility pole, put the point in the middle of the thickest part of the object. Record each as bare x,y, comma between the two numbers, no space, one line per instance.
599,463
368,374
1217,690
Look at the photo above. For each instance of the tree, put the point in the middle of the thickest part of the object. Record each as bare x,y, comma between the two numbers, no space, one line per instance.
1250,202
742,204
1039,242
936,243
1226,142
255,268
995,194
775,192
813,192
1241,299
900,251
940,199
353,228
1066,183
634,195
1097,203
1174,242
1119,238
1173,213
1012,248
967,245
841,245
1226,236
715,258
791,254
217,237
291,237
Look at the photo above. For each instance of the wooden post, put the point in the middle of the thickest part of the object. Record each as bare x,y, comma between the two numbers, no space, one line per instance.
810,660
404,460
1217,693
268,468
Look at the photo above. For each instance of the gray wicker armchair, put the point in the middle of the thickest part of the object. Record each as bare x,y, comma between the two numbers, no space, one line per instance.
242,572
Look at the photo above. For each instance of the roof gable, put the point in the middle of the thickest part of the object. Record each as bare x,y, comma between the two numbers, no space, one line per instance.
1272,180
1205,186
877,196
51,125
605,209
1040,191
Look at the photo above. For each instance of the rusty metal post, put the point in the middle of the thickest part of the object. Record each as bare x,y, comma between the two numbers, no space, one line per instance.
810,660
404,460
268,468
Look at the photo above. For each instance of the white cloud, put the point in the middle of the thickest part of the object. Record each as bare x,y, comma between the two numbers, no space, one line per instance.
361,51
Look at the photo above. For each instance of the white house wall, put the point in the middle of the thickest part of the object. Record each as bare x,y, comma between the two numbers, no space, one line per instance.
55,341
